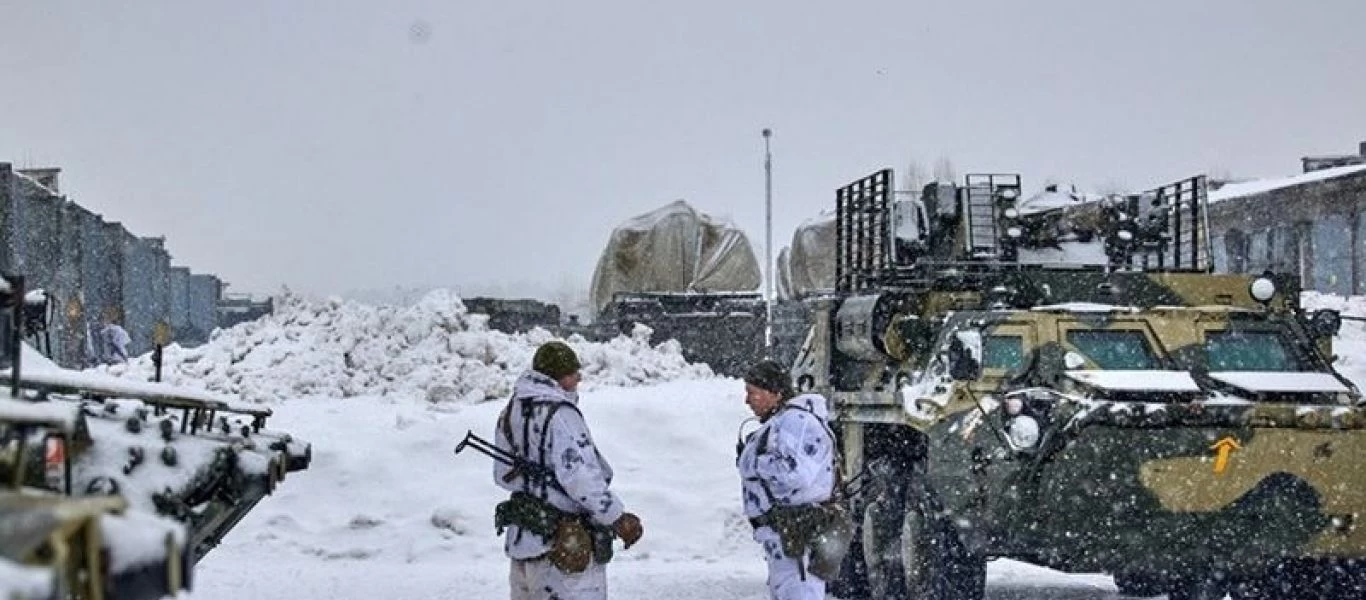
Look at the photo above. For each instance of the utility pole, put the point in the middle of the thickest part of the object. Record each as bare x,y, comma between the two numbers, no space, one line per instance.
768,243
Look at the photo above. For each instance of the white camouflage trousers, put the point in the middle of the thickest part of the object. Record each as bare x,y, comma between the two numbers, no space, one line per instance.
537,579
785,581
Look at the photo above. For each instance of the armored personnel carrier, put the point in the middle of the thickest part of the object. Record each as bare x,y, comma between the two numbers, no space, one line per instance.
1066,382
195,457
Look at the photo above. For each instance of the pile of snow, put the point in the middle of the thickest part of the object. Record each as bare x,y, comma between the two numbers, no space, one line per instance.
434,349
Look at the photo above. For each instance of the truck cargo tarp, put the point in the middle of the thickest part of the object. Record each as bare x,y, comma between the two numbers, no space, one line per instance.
811,258
675,248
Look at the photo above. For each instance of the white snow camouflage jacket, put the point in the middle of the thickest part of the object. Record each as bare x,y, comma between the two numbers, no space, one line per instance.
569,450
796,465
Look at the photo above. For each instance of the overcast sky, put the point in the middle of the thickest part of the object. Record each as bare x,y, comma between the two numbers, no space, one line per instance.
333,146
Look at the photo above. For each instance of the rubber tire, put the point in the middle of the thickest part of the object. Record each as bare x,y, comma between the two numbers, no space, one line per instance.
852,583
881,529
912,555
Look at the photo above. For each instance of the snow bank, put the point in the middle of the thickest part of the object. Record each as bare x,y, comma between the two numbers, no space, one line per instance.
434,349
20,582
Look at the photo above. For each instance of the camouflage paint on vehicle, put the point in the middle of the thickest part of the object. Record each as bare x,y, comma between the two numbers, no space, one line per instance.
1171,423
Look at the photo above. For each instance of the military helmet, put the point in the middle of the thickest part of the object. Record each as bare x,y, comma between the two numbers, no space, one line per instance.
555,359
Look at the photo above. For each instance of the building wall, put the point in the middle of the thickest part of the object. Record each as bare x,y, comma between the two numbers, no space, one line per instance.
202,295
1316,230
96,270
177,286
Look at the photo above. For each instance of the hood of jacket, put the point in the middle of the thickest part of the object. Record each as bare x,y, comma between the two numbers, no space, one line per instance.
534,384
815,403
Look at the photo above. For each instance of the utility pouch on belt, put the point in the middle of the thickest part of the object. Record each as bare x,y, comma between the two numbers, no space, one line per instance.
571,550
578,542
823,529
528,512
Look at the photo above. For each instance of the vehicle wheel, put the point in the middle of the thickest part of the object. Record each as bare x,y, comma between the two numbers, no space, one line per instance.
1140,585
853,580
910,554
882,554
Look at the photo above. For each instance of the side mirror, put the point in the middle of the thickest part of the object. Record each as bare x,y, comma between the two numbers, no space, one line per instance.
965,356
1325,323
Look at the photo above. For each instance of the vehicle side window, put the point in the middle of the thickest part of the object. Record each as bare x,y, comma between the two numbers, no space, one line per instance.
1003,352
1111,349
1248,351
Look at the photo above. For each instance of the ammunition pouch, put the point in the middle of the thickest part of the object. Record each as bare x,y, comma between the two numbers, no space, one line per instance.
571,550
575,541
825,530
529,513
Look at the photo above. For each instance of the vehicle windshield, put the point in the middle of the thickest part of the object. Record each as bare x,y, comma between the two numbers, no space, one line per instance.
1109,349
1249,351
1003,352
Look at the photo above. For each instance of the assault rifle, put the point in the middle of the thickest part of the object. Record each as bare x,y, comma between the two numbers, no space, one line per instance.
534,472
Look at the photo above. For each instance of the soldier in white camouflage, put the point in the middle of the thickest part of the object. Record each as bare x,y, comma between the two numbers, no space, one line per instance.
562,517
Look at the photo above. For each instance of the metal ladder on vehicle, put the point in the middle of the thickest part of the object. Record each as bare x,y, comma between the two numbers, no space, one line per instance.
979,201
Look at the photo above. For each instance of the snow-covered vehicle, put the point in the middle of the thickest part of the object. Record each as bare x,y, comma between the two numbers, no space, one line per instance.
200,458
93,547
1068,384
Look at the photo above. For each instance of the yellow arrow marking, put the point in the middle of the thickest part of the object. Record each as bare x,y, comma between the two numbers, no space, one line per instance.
1223,448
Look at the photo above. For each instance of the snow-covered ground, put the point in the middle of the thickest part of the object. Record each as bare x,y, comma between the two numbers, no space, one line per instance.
388,511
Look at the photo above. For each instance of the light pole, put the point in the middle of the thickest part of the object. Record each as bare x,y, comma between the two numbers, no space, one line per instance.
768,243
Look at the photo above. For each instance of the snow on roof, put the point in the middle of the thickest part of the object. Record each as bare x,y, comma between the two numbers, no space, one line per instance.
1047,200
1259,186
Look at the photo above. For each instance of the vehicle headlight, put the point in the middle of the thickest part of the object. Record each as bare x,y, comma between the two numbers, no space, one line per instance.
1262,289
1023,432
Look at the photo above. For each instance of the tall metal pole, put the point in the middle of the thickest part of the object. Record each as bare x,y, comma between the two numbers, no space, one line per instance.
768,243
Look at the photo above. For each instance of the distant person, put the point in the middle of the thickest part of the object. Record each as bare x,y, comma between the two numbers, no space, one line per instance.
787,477
560,526
112,343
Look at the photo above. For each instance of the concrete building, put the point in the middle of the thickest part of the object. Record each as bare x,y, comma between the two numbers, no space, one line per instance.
94,270
1312,224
